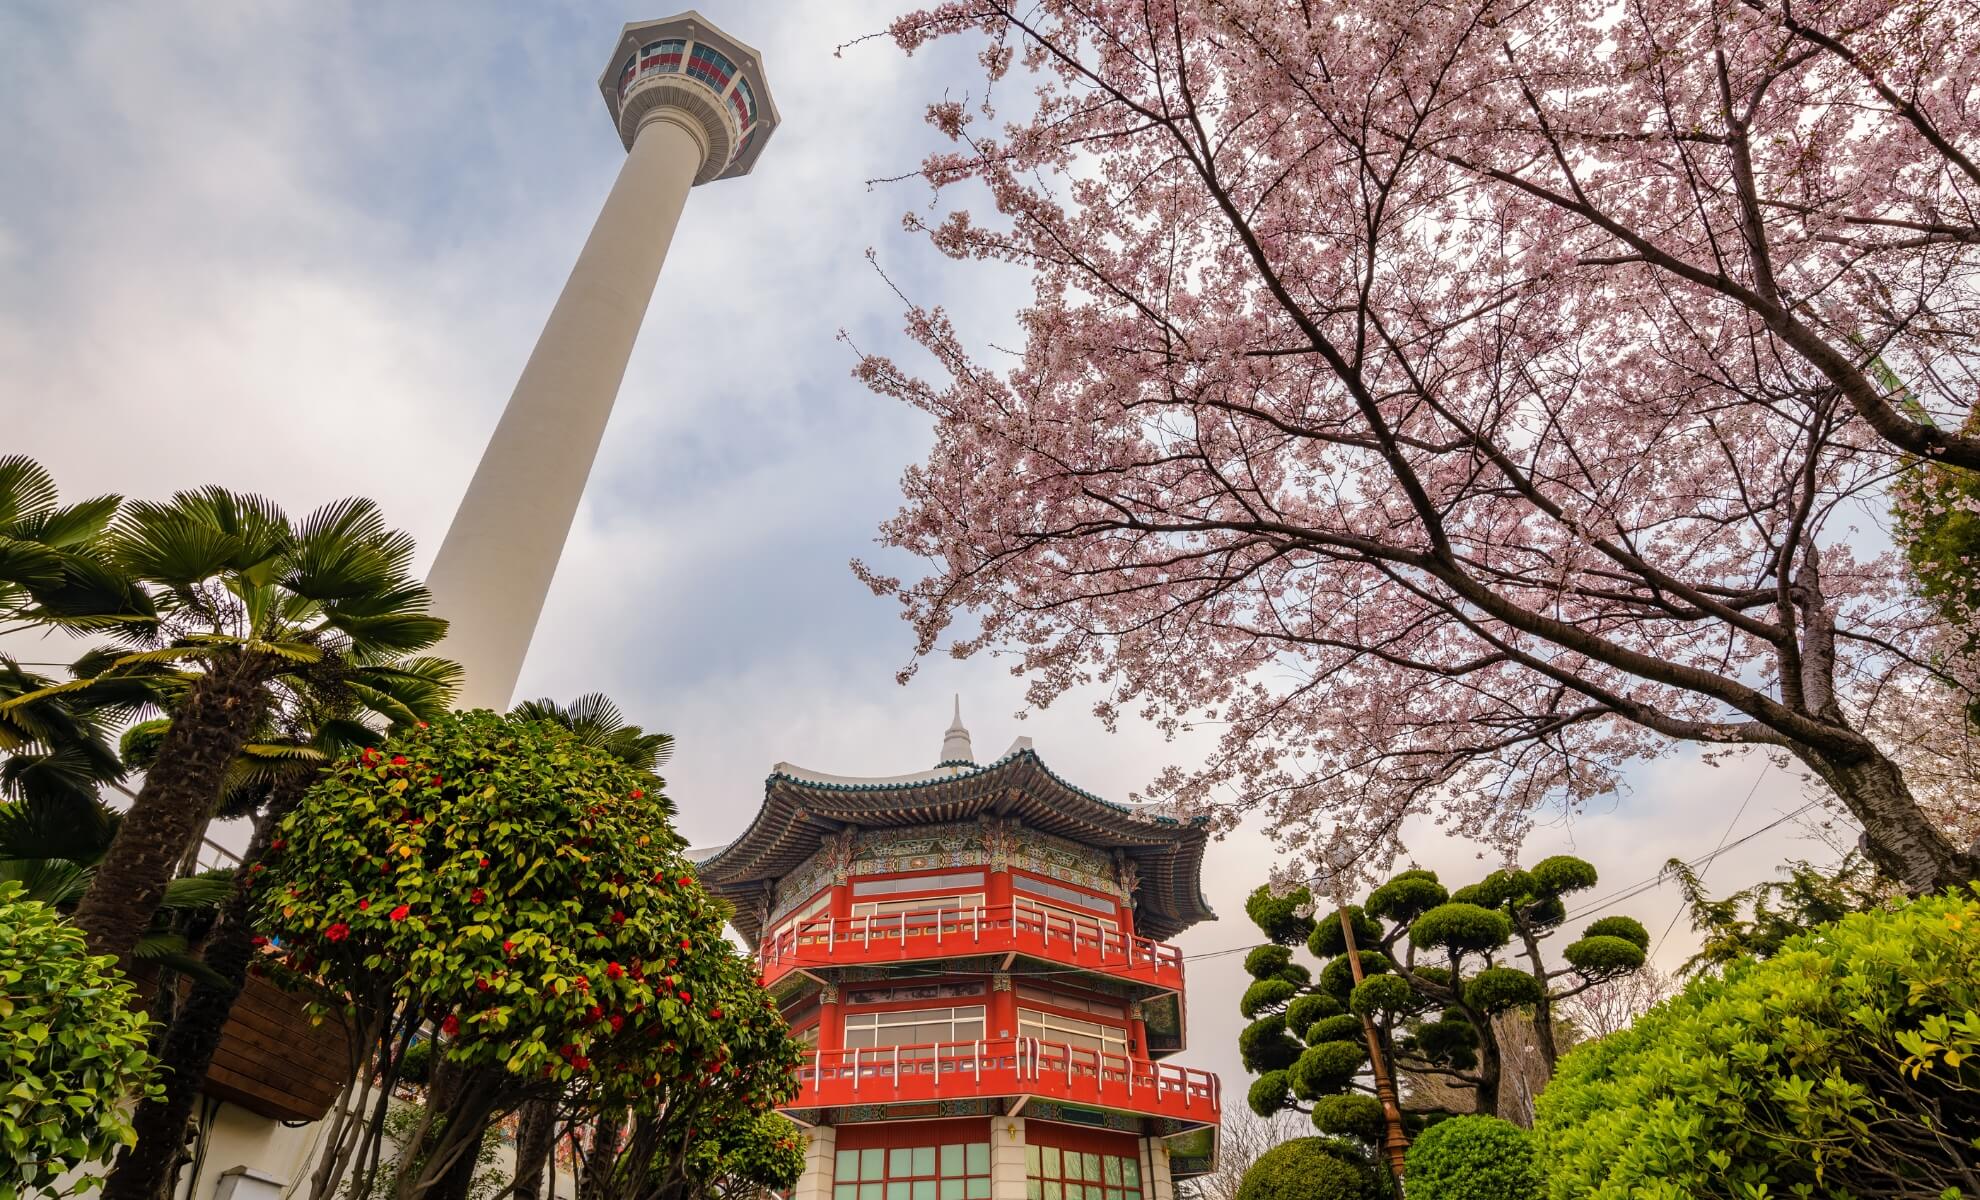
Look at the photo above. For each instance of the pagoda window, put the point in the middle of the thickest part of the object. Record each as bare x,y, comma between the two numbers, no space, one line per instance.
1055,1174
915,904
1073,1001
1064,896
954,881
956,1171
816,906
1071,1031
914,1027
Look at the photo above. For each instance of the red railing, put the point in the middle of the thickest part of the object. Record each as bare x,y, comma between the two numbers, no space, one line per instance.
942,933
1005,1067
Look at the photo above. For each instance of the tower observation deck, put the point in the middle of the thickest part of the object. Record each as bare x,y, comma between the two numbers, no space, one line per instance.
691,105
973,959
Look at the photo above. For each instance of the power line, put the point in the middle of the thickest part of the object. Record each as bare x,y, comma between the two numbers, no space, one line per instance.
1765,766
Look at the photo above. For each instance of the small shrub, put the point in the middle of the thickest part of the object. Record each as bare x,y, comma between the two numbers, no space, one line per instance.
1311,1007
1351,1114
1768,1079
1326,941
1343,1028
1474,1158
1325,1068
72,1050
1629,929
1264,994
1496,989
1309,1168
1460,926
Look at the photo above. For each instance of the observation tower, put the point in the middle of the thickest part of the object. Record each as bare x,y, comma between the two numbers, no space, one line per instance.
692,106
971,957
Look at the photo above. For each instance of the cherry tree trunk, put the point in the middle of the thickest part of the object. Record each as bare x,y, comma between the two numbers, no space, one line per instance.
1899,838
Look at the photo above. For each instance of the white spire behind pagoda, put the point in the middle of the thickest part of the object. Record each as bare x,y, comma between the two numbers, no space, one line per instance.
955,741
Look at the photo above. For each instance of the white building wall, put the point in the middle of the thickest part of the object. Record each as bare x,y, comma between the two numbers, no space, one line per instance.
1007,1174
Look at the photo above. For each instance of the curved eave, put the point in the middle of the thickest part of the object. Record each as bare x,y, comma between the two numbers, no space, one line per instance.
801,808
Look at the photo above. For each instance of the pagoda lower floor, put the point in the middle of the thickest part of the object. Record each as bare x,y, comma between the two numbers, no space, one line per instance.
960,1150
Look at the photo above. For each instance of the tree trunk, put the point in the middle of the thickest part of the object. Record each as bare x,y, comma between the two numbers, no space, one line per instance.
1898,837
149,1170
536,1135
207,732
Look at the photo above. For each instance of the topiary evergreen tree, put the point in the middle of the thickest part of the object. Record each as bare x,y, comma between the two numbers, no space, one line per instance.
1437,966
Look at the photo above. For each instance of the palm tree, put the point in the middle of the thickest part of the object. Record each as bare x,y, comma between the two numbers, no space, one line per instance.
250,609
50,571
314,727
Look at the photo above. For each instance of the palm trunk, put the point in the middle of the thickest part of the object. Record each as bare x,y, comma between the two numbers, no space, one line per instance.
208,730
150,1169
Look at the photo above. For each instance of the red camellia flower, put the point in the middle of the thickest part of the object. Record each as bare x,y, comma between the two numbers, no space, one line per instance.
686,999
477,896
659,876
594,1013
508,947
259,940
715,1013
638,793
337,932
582,984
481,985
618,918
581,1063
614,970
618,1022
402,912
686,945
450,1026
277,844
398,760
685,880
484,861
363,904
434,782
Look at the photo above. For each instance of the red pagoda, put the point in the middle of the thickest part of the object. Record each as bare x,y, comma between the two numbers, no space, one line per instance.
973,959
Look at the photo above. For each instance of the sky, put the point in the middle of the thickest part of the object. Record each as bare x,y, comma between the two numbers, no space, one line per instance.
303,249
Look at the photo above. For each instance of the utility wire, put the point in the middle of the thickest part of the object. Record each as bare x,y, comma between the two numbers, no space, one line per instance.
1765,766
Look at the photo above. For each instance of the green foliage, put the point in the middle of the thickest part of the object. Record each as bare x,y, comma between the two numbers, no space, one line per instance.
1269,1093
1307,1009
1603,956
751,1157
1757,922
1265,962
1382,994
1461,927
1629,929
1265,994
1327,1067
1937,524
73,1050
527,891
1266,1046
1474,1158
1498,889
1561,874
1496,989
1309,1169
1337,977
1407,896
1279,916
1341,1028
1326,940
1352,1115
1848,1064
1452,1041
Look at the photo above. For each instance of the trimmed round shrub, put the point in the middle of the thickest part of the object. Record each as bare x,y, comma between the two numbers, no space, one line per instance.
1462,927
1379,994
1268,1093
1279,916
1342,1028
1474,1158
1629,929
1351,1115
1326,941
1311,1168
1266,1046
1544,913
1337,977
72,1049
1326,1068
1562,873
1452,1041
1496,989
1751,1082
1603,956
1264,994
1406,896
1265,962
1497,889
1306,1009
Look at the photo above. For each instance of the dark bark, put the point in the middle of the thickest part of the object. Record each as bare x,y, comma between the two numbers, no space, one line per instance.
536,1135
150,1169
207,732
1898,837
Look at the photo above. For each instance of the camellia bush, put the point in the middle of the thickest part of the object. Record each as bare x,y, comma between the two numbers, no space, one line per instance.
1438,966
1474,1158
72,1051
1847,1065
519,896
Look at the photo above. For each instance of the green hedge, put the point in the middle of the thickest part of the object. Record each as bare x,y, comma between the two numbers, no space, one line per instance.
72,1050
1815,1072
1473,1158
1309,1168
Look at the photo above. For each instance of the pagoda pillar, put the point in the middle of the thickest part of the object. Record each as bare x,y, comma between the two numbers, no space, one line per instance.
1003,1007
819,1155
831,1024
1007,1173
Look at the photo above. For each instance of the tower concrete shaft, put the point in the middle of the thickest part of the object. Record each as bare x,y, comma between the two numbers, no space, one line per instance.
691,105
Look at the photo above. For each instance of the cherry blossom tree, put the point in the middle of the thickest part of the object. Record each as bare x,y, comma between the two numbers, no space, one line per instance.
1449,403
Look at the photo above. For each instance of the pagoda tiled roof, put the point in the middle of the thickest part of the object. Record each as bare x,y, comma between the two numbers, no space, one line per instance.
800,808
